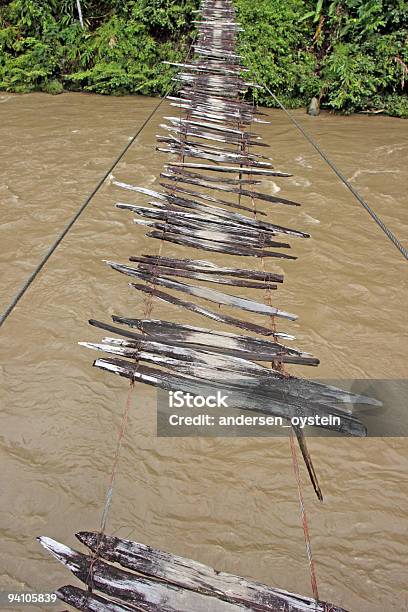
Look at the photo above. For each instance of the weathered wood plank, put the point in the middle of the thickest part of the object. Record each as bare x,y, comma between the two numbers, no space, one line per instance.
151,595
200,363
207,294
225,129
208,223
210,209
224,138
168,197
211,148
275,356
186,335
202,276
216,316
173,199
176,173
224,344
90,602
177,332
196,152
215,233
193,575
233,169
208,267
217,247
283,397
255,195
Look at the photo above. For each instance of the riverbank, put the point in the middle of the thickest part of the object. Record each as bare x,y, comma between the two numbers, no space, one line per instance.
351,57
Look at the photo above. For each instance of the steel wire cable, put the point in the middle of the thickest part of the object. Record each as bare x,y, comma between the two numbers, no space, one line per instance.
392,237
75,218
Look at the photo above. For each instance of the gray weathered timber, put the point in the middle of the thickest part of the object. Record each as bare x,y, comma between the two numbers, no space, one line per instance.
161,582
176,172
214,233
216,316
255,195
173,199
286,355
223,138
199,153
206,365
208,267
177,332
199,363
283,398
168,197
213,149
206,223
151,595
89,602
217,247
233,169
193,575
202,276
207,294
236,345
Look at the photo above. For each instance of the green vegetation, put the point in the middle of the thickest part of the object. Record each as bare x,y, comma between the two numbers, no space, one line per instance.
352,55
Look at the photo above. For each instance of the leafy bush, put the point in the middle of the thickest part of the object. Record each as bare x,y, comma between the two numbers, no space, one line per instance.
351,54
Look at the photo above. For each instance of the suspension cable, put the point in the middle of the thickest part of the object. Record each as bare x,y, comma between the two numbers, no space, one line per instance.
75,218
340,175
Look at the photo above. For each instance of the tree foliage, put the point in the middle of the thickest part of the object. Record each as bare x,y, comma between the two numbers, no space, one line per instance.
351,54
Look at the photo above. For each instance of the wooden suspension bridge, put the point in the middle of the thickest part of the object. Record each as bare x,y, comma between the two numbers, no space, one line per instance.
208,204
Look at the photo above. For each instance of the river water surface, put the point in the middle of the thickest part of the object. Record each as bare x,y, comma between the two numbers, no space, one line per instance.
231,503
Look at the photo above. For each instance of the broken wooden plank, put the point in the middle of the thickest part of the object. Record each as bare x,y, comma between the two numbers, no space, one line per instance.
202,276
197,219
209,198
212,156
216,137
151,595
221,229
210,209
255,195
207,294
274,355
233,169
280,398
177,172
217,247
236,372
167,196
208,147
208,125
201,363
214,233
208,267
90,602
225,342
170,299
173,199
193,575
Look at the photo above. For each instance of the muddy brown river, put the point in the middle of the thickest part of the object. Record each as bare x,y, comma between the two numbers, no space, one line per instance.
230,503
